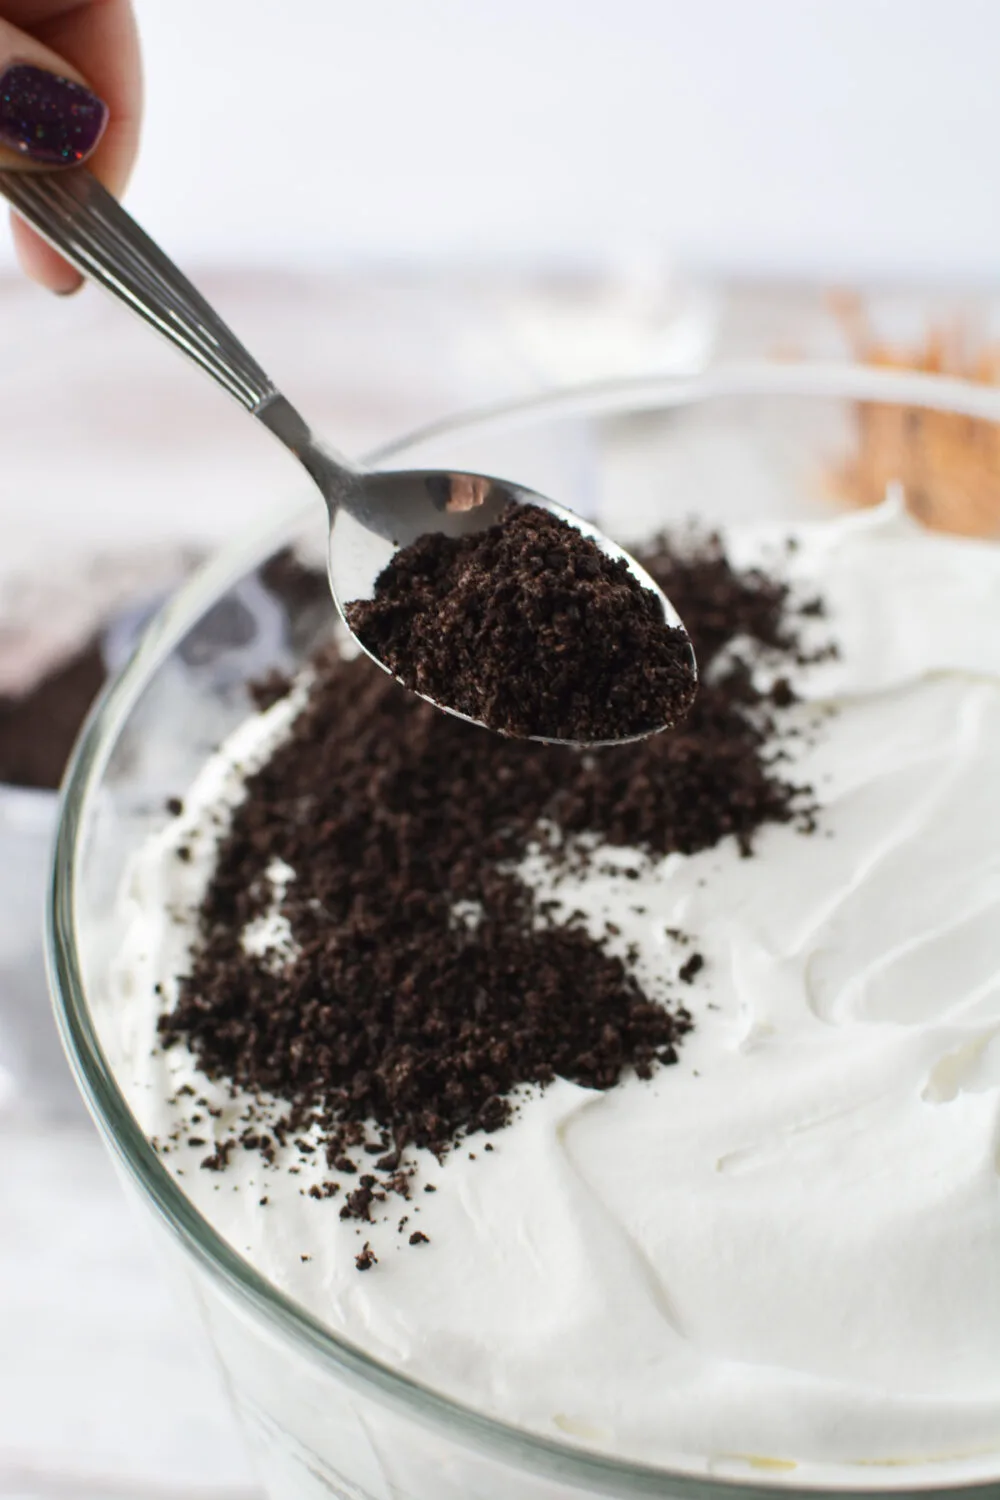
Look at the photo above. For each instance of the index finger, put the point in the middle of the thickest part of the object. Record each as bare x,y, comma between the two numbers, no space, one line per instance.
99,38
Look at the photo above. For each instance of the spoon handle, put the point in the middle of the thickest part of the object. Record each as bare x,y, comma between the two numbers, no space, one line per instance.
89,227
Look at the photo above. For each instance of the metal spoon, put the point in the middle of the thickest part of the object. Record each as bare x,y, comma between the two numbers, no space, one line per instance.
371,514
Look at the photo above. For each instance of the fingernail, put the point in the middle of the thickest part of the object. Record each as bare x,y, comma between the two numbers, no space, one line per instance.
48,118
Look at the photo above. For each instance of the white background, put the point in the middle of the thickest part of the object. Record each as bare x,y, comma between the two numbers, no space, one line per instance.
854,136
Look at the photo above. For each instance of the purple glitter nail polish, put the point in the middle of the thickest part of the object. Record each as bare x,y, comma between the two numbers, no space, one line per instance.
48,118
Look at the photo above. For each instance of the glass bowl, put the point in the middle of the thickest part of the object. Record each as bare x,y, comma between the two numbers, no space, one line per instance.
325,1419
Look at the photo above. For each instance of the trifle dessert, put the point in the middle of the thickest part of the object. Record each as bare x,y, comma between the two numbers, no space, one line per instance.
674,1063
646,1098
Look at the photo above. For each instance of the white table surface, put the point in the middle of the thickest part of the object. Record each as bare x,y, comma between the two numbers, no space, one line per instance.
112,448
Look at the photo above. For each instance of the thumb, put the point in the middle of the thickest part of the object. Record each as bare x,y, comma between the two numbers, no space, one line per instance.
49,118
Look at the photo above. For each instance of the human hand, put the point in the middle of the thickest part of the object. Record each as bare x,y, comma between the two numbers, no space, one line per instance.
70,91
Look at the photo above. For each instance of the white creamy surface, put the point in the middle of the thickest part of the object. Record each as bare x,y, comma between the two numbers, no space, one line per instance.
785,1249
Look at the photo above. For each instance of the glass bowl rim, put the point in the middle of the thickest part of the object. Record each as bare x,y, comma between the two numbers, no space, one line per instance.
235,1277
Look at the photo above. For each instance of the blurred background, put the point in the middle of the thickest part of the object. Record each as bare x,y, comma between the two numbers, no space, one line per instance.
406,209
791,137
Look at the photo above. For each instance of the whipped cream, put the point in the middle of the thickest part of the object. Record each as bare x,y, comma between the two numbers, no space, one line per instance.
784,1252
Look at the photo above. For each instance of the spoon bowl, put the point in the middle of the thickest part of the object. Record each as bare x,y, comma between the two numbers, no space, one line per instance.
391,509
372,515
